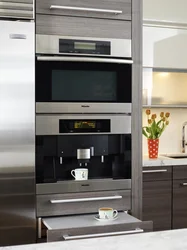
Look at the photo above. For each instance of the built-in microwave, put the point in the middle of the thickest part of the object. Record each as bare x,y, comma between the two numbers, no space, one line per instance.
83,75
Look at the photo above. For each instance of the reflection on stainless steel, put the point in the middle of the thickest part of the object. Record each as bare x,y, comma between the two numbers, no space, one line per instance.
83,59
17,130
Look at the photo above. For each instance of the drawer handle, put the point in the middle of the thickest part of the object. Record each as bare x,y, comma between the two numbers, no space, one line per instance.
59,7
184,184
83,59
155,171
116,197
67,237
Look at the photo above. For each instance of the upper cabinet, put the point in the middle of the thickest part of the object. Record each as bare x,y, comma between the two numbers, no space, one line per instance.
165,10
18,9
164,47
110,9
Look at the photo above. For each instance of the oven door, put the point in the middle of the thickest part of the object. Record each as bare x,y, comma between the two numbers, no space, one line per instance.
75,84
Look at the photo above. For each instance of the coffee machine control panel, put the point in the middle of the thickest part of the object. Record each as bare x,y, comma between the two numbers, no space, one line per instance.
84,126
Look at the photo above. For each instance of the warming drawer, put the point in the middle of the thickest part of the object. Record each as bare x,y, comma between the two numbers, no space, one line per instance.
86,226
79,203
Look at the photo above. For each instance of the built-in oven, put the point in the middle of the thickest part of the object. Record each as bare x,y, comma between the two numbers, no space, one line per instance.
83,75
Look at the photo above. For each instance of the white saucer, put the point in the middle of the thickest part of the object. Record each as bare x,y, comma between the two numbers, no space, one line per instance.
105,220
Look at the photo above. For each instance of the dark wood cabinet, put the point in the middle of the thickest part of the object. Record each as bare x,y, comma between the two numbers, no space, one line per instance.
157,197
179,197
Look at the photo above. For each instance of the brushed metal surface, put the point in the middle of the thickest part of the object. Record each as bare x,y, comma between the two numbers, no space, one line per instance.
83,59
86,236
83,153
61,7
82,186
17,9
103,198
17,135
49,124
49,44
83,108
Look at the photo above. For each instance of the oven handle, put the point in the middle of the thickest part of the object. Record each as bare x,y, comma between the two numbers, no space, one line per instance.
83,59
60,7
137,230
115,197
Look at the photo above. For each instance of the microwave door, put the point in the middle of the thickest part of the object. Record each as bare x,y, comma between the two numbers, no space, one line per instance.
83,85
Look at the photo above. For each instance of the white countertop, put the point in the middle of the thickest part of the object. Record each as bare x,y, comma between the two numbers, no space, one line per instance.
167,240
163,161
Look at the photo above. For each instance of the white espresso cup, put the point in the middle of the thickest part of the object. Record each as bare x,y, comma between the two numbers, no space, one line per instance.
107,213
80,174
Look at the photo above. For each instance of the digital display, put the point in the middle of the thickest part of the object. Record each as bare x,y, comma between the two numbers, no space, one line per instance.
84,46
84,124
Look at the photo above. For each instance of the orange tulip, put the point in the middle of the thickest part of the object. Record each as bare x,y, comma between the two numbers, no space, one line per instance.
148,112
162,114
149,121
167,114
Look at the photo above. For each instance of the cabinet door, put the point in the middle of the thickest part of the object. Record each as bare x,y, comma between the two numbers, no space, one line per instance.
85,27
164,47
17,9
157,203
110,9
179,203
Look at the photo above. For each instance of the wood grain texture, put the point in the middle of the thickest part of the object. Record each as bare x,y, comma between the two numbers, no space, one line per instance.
157,204
179,172
137,108
157,176
43,7
85,27
57,235
45,208
179,204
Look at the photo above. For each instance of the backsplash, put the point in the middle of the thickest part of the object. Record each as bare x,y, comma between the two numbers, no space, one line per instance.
171,139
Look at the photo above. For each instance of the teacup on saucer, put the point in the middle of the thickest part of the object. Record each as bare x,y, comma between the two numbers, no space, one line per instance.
107,213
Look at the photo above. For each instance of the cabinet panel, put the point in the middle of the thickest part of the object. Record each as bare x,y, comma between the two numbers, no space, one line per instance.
85,27
17,9
164,47
46,208
164,87
94,8
179,172
165,10
180,203
157,173
157,204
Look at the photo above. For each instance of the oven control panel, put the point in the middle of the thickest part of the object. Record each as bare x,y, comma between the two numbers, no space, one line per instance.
84,47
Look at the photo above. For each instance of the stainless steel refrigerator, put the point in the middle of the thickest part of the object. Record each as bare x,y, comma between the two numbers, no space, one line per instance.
17,133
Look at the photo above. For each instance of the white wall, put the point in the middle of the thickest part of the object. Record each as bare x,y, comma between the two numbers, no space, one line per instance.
168,10
171,139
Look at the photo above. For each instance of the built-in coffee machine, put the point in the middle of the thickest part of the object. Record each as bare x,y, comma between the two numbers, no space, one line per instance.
83,152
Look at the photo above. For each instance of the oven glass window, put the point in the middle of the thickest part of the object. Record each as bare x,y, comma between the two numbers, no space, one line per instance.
79,85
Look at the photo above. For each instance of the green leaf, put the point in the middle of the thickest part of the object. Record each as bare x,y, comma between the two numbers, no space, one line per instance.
144,133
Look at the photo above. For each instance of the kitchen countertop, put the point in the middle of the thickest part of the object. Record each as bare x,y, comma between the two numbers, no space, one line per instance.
163,161
167,240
